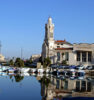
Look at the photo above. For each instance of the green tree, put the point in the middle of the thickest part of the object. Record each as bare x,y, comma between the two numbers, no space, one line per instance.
64,62
19,62
28,62
45,81
11,63
18,78
47,62
40,60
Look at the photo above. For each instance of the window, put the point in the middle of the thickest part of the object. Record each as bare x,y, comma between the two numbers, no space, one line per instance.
58,46
89,86
66,56
57,85
66,85
83,86
83,56
78,56
77,86
89,56
58,56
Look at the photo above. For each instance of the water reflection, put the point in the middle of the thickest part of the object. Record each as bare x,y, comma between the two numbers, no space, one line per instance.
58,89
45,87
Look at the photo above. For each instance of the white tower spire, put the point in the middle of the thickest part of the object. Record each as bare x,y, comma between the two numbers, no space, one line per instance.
49,30
49,20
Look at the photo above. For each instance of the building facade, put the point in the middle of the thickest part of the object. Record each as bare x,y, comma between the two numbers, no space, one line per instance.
2,58
59,89
35,58
60,50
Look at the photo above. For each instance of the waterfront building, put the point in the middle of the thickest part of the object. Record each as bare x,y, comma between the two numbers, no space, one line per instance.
35,57
59,50
2,58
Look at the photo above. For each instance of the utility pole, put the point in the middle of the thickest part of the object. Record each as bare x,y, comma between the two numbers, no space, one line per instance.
21,53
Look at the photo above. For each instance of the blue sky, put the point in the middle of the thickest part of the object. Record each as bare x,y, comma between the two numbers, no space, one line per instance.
22,23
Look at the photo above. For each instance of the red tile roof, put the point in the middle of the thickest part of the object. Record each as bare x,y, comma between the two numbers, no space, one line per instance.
59,41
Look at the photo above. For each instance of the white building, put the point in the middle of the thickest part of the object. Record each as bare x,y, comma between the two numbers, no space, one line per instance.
59,50
2,58
35,57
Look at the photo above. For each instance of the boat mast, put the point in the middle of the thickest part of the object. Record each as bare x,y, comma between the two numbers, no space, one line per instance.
0,47
21,53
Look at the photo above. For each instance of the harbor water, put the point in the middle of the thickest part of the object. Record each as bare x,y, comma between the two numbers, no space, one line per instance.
45,87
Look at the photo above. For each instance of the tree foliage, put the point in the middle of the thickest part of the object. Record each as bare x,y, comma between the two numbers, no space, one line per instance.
46,62
18,78
19,62
11,63
64,62
28,62
45,81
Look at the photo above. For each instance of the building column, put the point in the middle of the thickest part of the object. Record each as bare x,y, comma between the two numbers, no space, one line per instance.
92,58
59,84
61,57
80,56
86,56
80,84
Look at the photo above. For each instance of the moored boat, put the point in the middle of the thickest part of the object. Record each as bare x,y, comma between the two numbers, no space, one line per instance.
40,70
33,70
24,70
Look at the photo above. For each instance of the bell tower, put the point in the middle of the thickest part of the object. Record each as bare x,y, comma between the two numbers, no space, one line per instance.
49,30
48,45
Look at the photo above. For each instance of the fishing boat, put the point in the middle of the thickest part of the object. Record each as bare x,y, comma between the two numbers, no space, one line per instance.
12,70
4,68
24,70
47,70
33,70
40,70
25,74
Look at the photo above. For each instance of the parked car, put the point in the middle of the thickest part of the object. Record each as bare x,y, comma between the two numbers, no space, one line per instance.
53,66
72,67
66,67
61,67
89,67
80,67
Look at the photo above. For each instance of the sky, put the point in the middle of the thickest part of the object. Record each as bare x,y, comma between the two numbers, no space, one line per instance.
22,24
